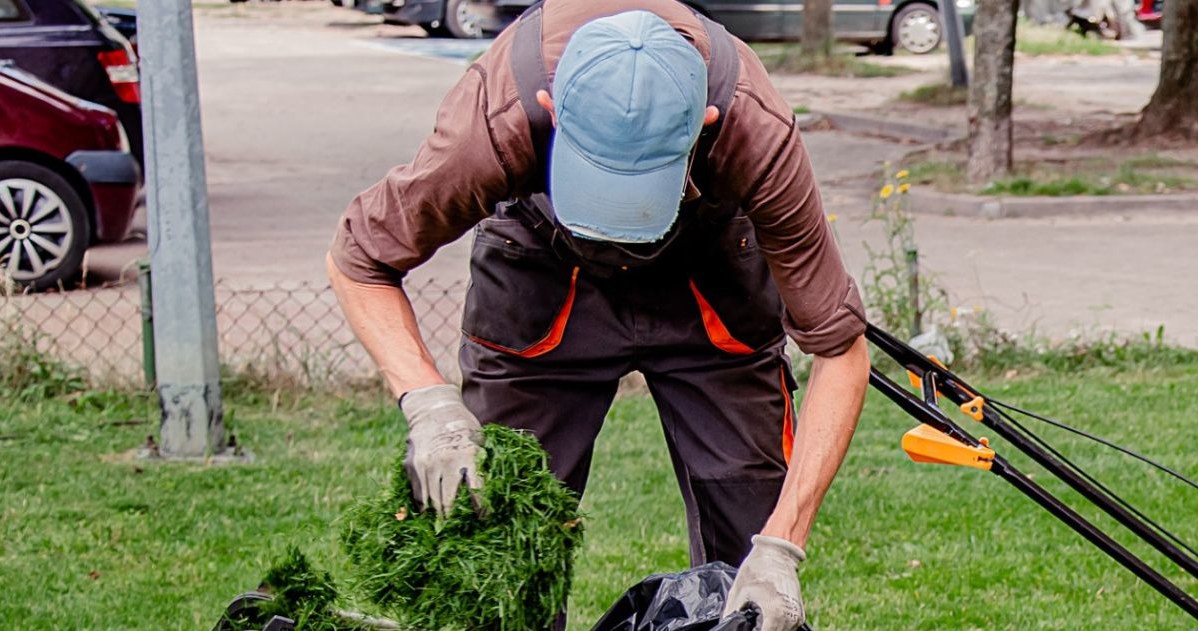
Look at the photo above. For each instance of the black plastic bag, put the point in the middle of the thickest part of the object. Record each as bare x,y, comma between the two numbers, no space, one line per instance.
686,601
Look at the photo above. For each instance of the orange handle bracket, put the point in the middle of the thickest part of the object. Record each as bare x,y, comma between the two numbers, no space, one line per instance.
930,445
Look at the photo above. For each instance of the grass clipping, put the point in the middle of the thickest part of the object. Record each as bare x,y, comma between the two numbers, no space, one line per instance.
299,592
508,570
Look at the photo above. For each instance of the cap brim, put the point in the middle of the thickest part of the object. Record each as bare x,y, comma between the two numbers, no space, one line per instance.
595,202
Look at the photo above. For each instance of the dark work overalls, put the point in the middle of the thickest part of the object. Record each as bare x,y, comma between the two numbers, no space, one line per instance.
549,333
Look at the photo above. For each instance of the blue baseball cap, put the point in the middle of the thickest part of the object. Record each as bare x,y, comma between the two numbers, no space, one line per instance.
630,95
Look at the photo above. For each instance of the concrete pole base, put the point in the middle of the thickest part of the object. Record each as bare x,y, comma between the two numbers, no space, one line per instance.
230,454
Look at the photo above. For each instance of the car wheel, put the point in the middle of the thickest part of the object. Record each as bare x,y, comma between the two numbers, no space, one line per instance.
916,28
460,21
436,29
44,229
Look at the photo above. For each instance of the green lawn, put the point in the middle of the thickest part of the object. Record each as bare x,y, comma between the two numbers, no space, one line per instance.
92,540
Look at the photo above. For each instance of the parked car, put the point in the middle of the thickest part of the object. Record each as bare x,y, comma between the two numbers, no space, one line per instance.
373,7
67,179
439,18
1150,11
912,25
123,20
70,46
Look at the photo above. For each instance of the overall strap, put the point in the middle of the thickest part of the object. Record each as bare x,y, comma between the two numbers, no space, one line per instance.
528,68
723,71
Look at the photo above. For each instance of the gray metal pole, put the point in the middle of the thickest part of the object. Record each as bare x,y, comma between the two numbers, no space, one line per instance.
187,363
954,35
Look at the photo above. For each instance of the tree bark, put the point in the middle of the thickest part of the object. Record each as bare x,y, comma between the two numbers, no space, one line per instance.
1173,110
990,91
817,28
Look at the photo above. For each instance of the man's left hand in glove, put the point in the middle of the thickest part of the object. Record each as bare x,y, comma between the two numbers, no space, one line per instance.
768,581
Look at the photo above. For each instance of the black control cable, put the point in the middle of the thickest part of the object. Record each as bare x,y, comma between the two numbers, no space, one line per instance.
1098,439
1089,478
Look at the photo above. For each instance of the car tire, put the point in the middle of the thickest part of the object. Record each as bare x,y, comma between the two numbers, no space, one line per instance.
916,28
460,21
43,224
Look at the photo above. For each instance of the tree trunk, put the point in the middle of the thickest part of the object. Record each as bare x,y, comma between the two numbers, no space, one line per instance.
1173,109
990,91
817,28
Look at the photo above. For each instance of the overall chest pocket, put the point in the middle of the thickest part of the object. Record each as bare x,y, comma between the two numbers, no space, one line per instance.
737,298
520,293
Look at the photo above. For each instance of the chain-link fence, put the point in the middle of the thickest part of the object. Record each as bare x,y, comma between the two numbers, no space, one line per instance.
293,332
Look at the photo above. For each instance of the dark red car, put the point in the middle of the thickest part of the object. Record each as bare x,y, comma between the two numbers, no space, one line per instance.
67,180
67,44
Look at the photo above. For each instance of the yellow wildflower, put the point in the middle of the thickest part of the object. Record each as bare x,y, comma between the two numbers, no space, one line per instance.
831,217
901,174
904,187
886,191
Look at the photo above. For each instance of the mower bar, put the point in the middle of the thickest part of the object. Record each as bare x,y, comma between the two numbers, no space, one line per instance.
935,381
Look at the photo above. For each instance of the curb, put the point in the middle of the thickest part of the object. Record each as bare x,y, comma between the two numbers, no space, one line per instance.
988,207
895,130
985,206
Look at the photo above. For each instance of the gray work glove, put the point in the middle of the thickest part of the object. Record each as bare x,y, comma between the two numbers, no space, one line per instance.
768,580
444,440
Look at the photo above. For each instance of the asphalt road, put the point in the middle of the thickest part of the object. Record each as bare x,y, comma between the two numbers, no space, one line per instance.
304,106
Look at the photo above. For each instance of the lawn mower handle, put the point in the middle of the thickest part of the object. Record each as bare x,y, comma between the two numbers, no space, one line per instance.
934,381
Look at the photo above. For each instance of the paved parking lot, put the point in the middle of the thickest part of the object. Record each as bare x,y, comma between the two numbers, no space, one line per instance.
305,105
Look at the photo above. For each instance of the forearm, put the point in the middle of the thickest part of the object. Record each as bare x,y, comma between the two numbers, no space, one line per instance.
827,419
382,318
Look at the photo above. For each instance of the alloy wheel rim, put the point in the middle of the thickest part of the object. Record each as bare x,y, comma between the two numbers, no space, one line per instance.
919,32
35,229
468,20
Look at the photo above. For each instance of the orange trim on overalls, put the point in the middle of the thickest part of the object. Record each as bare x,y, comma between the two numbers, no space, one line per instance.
716,331
788,419
556,332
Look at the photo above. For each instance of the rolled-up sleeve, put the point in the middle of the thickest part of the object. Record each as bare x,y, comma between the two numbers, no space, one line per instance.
452,183
824,310
777,189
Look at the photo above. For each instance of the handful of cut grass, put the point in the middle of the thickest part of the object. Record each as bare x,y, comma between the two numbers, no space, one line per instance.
299,592
506,570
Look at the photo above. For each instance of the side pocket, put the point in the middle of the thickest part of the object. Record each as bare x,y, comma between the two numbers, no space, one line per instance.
789,386
735,292
520,294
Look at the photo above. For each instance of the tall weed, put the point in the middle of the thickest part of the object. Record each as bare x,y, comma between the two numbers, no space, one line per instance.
970,340
26,372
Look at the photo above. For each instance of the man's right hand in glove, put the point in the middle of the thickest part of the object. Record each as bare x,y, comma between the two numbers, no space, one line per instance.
444,440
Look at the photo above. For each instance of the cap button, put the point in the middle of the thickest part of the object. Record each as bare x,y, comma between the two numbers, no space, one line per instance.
636,43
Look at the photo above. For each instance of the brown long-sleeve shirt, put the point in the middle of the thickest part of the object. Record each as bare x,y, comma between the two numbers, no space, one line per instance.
481,153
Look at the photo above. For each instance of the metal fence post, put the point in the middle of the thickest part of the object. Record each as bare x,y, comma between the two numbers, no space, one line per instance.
913,289
144,284
187,362
954,34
